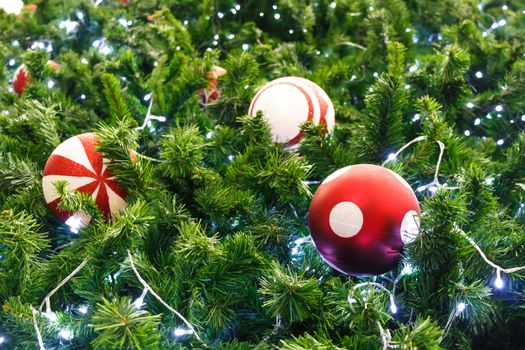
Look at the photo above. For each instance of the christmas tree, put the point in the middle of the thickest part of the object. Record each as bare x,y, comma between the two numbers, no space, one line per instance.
196,233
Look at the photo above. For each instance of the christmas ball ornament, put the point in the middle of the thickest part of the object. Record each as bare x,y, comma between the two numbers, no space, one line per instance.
21,77
77,162
12,6
288,102
212,92
360,218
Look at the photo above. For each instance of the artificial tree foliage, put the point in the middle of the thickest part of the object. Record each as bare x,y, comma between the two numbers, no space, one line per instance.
216,217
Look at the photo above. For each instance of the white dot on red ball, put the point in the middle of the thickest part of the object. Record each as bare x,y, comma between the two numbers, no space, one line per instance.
336,174
346,219
410,227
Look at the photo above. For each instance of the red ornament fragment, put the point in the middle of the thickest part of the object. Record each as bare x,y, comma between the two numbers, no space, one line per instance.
21,77
361,217
212,92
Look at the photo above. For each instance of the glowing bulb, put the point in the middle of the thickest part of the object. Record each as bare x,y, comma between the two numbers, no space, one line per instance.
139,302
470,105
12,62
461,307
83,309
393,308
467,132
179,332
245,47
75,223
407,269
498,283
391,156
277,16
498,108
500,142
333,5
2,340
66,334
479,75
51,316
477,121
220,14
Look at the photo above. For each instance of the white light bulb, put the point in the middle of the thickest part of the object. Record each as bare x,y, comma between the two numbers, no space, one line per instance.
12,6
245,47
467,132
333,5
477,121
391,156
66,334
220,14
261,14
407,269
500,142
277,16
83,309
479,75
498,283
139,302
75,222
2,340
51,316
179,332
461,307
470,105
498,108
393,308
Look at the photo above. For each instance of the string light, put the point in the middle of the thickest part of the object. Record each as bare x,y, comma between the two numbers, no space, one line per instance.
393,306
76,222
140,300
146,286
498,283
459,308
179,332
65,334
2,339
83,309
470,105
479,75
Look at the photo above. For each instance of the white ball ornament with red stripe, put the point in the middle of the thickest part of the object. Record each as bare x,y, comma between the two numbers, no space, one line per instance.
361,217
77,162
288,102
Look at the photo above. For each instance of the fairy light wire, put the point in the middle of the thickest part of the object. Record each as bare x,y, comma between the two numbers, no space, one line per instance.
37,330
148,287
47,299
394,156
498,268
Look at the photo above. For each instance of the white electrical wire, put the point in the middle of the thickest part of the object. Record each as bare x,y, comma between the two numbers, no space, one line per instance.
147,286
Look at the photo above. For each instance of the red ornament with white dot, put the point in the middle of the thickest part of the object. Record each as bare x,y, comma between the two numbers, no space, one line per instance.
84,169
360,218
288,102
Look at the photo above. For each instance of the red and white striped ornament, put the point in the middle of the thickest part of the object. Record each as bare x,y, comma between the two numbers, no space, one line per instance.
21,77
288,102
77,162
